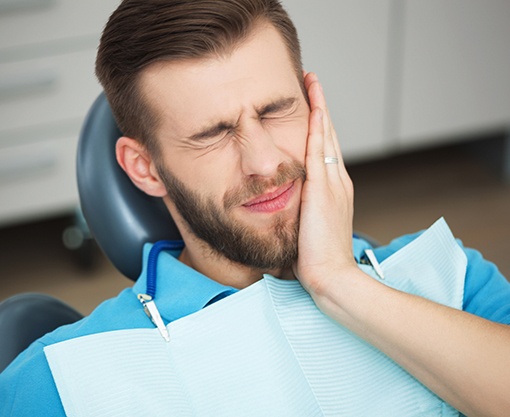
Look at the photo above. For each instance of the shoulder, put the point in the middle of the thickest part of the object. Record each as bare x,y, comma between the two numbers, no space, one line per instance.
486,290
26,385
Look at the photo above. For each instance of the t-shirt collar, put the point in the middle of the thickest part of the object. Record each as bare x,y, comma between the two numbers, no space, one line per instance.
181,290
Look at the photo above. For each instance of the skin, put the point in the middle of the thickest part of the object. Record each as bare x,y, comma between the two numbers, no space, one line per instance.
440,346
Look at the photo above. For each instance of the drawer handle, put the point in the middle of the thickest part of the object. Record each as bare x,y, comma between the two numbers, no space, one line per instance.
28,83
8,5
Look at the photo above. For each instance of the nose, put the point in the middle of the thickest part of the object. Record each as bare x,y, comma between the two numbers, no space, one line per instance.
259,153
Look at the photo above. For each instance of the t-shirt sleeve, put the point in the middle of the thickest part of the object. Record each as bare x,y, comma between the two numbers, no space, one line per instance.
486,291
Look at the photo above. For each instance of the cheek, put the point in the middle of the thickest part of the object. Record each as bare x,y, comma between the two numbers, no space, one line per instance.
211,176
302,140
292,139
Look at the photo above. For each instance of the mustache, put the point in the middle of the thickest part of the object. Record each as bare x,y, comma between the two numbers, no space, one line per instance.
255,186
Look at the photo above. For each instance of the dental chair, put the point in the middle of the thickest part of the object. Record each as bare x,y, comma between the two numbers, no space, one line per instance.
120,216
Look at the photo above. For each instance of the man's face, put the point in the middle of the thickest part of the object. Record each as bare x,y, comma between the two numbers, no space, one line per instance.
232,141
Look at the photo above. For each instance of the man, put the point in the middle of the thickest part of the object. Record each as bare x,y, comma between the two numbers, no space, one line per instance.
221,122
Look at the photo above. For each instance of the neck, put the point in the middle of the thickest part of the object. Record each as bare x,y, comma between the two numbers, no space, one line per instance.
203,259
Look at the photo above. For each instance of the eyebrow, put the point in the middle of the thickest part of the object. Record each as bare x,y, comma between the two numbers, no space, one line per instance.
276,106
215,129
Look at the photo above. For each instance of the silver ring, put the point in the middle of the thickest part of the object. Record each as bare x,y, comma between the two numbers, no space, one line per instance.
330,160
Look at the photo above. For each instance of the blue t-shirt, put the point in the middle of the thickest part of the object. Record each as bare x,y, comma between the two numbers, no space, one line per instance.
27,387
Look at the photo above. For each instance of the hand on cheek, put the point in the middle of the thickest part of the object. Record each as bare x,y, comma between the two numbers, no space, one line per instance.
325,234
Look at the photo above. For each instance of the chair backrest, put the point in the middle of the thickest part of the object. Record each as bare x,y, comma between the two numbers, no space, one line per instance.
26,317
121,217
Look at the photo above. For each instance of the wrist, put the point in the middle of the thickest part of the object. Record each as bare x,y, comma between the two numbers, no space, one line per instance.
337,291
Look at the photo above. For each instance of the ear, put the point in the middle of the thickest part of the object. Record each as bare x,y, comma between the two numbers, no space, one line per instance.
135,160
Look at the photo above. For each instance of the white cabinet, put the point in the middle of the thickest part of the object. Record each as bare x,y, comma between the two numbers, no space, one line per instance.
403,74
455,75
398,74
47,83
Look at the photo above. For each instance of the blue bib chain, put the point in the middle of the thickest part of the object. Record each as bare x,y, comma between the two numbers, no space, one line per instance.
147,299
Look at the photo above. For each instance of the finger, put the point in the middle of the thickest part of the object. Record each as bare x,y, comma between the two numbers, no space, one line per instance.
315,167
313,88
309,77
317,100
331,142
337,173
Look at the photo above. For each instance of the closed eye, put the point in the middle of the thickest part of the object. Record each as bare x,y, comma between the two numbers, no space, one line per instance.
219,129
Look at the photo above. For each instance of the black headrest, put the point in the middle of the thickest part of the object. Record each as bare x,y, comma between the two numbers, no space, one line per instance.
120,216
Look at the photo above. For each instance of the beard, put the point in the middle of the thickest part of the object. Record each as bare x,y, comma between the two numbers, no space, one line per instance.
275,248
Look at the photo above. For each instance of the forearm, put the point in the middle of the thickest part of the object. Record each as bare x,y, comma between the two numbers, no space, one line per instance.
462,358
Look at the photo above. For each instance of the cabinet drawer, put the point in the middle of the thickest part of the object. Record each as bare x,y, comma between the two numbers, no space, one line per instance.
46,91
37,179
23,22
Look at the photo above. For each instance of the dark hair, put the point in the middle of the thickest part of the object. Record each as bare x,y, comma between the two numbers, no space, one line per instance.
142,32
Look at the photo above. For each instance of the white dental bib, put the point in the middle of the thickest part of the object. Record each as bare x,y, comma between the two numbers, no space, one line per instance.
264,351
